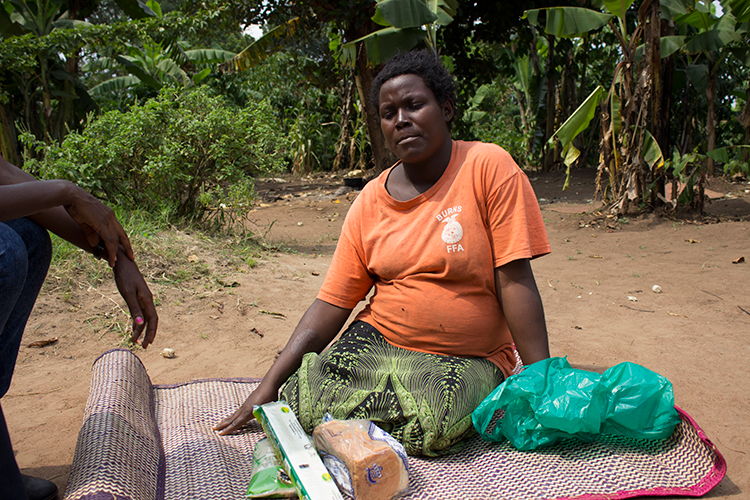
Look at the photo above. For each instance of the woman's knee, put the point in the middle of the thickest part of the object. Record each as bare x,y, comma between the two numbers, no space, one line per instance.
13,262
38,246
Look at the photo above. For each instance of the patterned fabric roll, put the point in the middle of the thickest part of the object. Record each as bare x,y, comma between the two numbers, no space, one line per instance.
423,400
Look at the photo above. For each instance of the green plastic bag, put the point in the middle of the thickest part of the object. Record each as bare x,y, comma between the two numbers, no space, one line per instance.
550,401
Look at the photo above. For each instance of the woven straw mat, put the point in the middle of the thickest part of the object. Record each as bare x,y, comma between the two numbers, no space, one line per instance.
141,441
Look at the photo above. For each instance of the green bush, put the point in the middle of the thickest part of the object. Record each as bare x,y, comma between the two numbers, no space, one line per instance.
185,152
498,121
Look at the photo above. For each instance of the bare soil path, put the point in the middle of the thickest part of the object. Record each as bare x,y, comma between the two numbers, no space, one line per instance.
596,287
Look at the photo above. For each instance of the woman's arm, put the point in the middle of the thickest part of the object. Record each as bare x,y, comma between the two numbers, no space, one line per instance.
523,310
317,328
76,216
63,208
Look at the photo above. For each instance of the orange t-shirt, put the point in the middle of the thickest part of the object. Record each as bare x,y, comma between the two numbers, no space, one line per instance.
432,259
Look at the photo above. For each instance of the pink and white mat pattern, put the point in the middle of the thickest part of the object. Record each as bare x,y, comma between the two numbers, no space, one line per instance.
141,441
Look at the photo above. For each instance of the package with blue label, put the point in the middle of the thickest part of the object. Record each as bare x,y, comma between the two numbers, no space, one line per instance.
366,462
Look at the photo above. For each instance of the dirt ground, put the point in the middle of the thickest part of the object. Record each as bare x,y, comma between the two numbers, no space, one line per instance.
596,286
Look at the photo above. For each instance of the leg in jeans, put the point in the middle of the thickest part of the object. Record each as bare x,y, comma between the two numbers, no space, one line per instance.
25,253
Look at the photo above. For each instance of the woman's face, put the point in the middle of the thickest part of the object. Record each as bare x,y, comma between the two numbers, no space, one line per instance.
414,124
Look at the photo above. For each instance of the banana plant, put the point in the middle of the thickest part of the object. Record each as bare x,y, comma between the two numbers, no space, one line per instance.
153,66
402,21
405,23
626,146
713,34
49,98
706,38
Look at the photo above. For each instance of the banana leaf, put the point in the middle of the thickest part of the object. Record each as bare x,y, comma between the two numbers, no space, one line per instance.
138,71
263,47
615,104
117,83
155,7
668,45
445,10
568,22
386,43
722,154
698,75
740,10
577,123
723,33
652,154
673,8
523,68
404,13
198,77
135,9
697,19
618,7
169,67
207,56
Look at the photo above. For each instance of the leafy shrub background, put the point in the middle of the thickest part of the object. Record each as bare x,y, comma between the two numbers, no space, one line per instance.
185,153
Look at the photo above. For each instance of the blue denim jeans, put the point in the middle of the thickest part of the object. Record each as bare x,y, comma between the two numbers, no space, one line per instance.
25,253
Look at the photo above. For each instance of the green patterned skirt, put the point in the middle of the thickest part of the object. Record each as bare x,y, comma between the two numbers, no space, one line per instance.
423,400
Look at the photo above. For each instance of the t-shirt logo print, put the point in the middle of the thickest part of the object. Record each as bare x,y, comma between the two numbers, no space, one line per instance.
452,232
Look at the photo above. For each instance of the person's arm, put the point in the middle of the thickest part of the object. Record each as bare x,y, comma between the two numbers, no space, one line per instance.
317,328
76,216
135,291
523,310
63,208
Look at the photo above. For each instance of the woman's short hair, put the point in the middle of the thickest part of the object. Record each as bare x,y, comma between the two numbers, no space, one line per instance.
425,65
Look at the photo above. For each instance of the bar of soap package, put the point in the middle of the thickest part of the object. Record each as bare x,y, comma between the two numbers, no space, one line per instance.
366,462
296,452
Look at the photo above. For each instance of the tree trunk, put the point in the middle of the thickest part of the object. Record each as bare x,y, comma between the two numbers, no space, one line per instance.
744,119
383,156
582,91
685,134
535,56
8,145
667,71
343,158
550,121
711,118
606,156
653,39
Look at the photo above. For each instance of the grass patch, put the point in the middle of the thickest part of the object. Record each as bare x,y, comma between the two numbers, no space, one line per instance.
165,254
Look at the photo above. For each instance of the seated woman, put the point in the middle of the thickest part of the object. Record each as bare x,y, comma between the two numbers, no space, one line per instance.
444,238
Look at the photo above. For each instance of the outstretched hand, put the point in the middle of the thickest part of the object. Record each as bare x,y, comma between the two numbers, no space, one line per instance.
137,295
97,219
244,413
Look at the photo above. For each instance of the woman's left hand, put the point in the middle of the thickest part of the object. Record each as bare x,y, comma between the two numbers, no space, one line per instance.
137,295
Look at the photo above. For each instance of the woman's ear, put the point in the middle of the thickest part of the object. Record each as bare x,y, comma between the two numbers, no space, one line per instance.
449,109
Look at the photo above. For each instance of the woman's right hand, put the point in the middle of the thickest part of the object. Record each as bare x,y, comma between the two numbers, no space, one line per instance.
244,413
